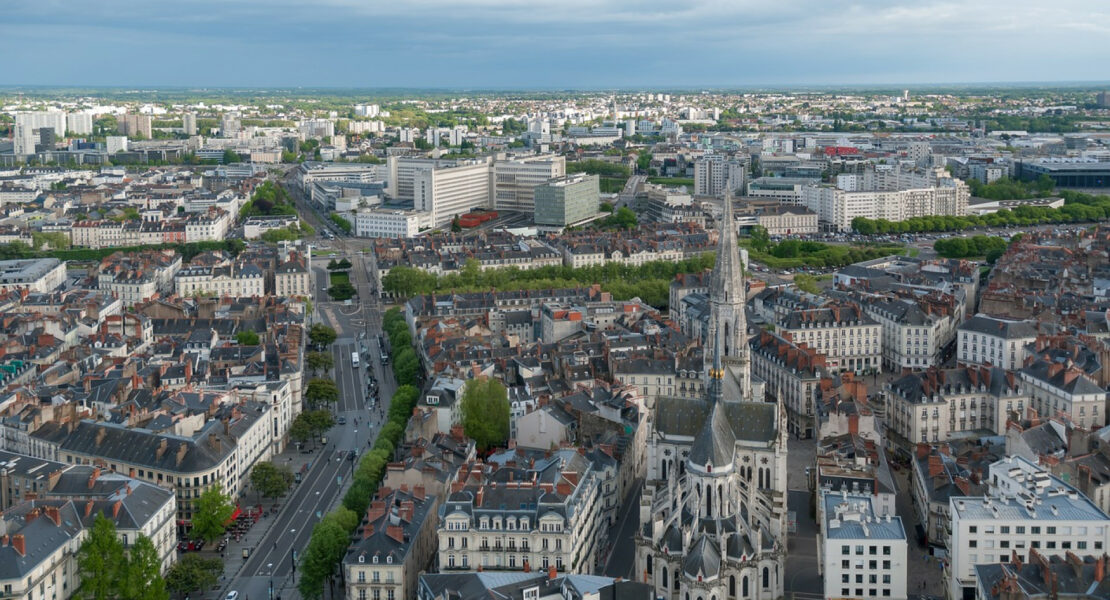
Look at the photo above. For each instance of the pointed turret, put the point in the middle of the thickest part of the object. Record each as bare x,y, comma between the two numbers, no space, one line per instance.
728,325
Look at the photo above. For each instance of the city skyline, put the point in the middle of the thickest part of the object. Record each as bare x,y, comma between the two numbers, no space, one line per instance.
503,44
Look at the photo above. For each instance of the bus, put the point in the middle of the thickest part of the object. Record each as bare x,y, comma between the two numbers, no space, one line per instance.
354,359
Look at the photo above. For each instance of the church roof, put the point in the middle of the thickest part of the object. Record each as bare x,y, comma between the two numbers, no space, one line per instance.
727,278
716,443
749,421
703,559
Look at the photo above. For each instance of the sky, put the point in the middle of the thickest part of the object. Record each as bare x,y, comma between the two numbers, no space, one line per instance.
550,44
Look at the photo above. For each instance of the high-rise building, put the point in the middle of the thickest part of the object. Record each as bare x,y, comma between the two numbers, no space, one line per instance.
116,143
318,128
134,126
566,200
189,123
716,174
230,126
449,191
24,138
79,123
47,138
515,180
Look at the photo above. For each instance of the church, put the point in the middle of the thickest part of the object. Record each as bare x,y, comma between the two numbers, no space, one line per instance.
713,511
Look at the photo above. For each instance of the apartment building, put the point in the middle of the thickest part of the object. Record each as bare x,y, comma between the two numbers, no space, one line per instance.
717,174
134,277
41,537
848,337
984,340
932,405
134,126
790,373
1028,512
863,554
393,545
234,280
914,336
519,519
896,199
1062,388
516,179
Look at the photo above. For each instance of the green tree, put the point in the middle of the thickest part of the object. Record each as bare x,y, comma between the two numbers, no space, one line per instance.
760,239
485,412
342,291
321,335
605,207
230,157
320,391
310,424
807,283
211,512
271,480
455,226
326,547
406,366
193,572
247,338
643,161
100,561
341,222
319,361
142,573
408,281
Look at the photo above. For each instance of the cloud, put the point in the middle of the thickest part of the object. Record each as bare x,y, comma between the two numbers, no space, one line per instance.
550,43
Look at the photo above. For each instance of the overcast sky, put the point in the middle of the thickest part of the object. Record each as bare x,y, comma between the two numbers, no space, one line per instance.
550,43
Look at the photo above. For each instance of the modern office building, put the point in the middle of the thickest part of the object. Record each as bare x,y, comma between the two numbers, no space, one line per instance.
515,180
387,222
567,200
450,191
1067,172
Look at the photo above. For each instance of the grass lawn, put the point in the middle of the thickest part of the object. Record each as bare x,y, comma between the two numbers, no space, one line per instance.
339,277
672,181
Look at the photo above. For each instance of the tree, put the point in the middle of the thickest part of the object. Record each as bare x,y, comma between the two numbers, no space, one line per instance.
319,361
321,334
485,412
326,547
342,223
605,207
456,227
247,338
211,512
142,579
230,157
321,391
271,480
761,240
643,161
342,291
100,561
309,424
193,572
406,366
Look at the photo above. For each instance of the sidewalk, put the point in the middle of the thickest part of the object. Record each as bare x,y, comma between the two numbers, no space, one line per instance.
232,555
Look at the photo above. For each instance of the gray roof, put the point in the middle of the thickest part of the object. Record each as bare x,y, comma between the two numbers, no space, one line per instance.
704,559
1011,330
716,443
749,421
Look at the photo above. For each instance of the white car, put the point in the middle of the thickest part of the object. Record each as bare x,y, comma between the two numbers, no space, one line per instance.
232,595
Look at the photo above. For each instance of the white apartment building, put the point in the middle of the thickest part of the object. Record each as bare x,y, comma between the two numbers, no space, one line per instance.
116,143
894,197
24,140
317,128
46,533
862,555
79,123
189,123
930,406
547,519
791,376
292,279
389,223
912,337
447,192
235,280
1065,388
1027,509
716,174
984,340
849,339
212,226
515,180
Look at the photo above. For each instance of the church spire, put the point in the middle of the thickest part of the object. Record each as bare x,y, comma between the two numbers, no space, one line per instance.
728,326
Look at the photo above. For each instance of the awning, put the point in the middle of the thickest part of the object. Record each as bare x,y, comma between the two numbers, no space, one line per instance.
234,515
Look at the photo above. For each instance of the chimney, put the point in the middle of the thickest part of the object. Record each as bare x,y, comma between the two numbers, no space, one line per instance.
115,508
88,508
181,450
418,492
551,572
396,532
20,544
161,449
54,515
1100,566
100,435
31,516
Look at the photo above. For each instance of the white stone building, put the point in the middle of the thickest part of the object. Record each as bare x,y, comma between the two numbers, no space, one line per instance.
862,554
984,340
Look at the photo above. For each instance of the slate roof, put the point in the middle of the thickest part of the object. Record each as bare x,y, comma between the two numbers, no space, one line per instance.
749,421
716,443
